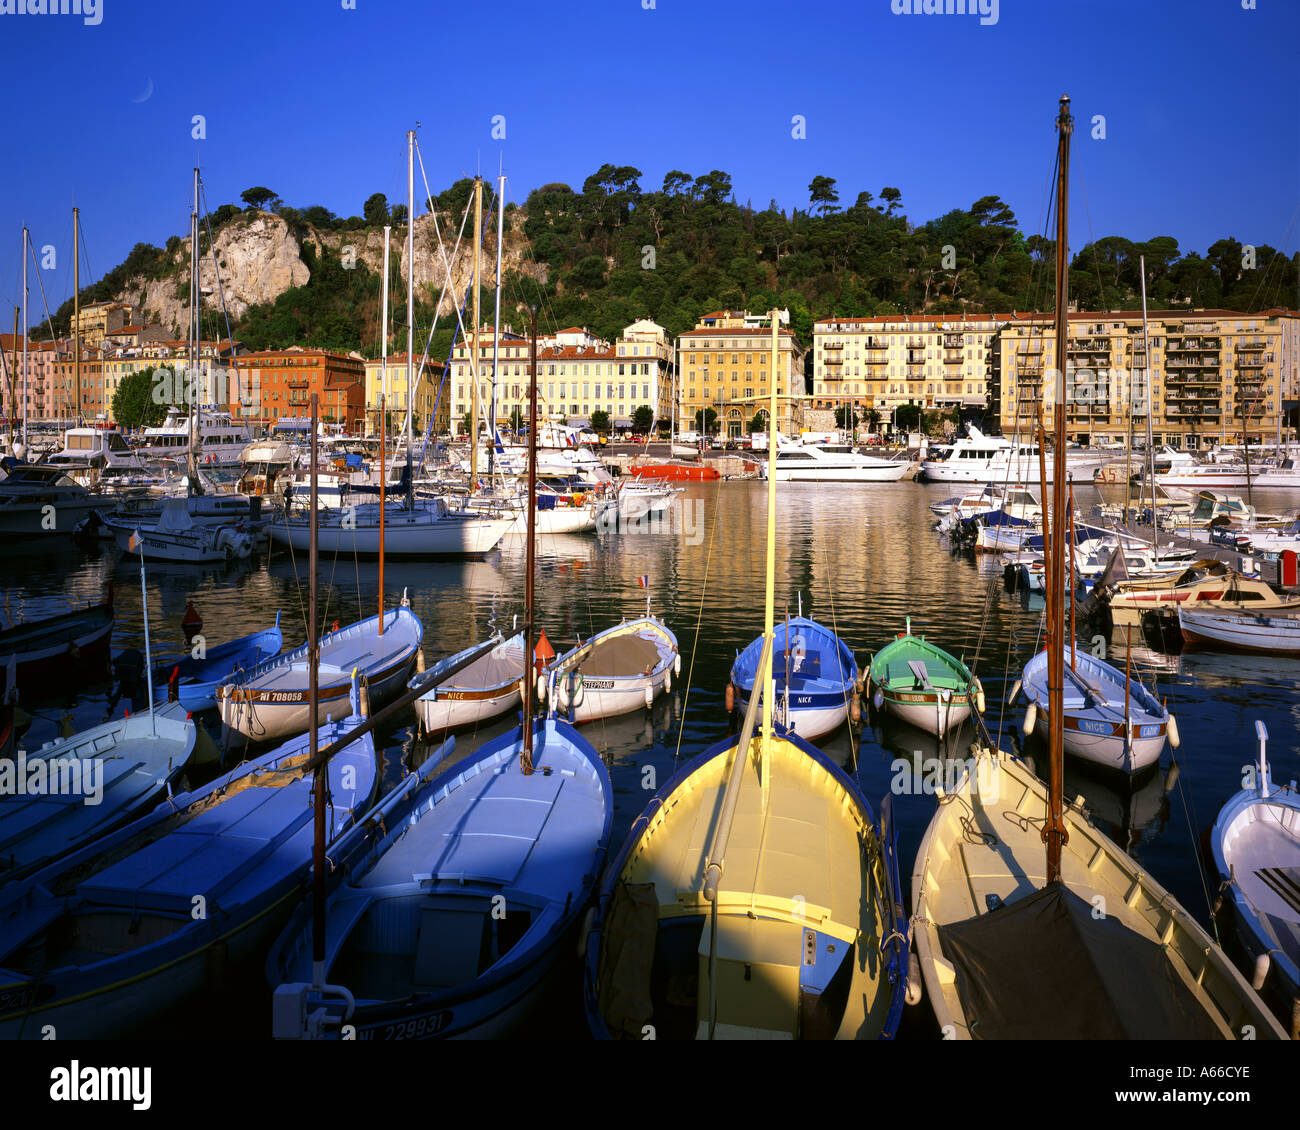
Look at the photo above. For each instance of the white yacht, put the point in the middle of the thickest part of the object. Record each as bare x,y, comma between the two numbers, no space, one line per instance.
95,449
831,463
41,501
977,458
221,438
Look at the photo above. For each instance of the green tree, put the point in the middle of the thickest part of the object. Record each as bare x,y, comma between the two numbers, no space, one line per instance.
705,419
600,421
516,419
140,400
823,195
643,418
375,210
260,198
846,417
907,417
758,423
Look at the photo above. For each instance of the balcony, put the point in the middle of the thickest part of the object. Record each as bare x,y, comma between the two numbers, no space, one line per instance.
952,341
952,357
1253,346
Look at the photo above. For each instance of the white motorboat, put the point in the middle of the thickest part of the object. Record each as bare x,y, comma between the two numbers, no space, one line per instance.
176,536
219,438
41,501
832,463
1266,632
977,458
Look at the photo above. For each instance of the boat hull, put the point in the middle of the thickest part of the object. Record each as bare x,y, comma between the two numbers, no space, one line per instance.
927,710
415,535
581,696
49,651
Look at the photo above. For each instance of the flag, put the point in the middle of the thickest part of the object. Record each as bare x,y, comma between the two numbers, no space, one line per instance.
644,580
133,543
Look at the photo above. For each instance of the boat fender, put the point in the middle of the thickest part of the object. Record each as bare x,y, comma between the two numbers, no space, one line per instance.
419,660
541,689
979,696
729,697
878,699
588,921
1171,778
1031,718
915,985
578,692
668,681
649,695
677,663
1015,690
855,710
862,680
1174,740
1262,964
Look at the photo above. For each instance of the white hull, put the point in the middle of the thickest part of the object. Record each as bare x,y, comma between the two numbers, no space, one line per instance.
886,472
561,520
811,725
446,713
1110,751
1242,631
1018,470
932,717
582,694
420,533
205,545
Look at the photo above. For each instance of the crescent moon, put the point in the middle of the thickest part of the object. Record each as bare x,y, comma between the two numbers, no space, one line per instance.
148,93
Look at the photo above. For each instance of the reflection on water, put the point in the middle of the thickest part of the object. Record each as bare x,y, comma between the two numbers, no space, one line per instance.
863,559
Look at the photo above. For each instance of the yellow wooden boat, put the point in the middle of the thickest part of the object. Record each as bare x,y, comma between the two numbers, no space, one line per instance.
756,897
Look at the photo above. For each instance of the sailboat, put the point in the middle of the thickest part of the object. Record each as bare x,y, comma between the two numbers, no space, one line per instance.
486,688
923,685
1075,941
617,671
450,926
756,896
1256,846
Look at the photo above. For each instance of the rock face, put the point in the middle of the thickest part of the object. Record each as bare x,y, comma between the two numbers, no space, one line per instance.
259,258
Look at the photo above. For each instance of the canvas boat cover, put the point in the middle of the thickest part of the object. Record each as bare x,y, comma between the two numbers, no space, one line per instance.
503,664
633,653
1043,968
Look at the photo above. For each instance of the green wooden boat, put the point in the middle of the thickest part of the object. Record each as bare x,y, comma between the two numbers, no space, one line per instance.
922,684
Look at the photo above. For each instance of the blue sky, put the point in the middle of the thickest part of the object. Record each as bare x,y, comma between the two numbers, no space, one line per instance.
313,100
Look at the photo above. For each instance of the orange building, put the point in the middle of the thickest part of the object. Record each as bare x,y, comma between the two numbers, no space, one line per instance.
283,381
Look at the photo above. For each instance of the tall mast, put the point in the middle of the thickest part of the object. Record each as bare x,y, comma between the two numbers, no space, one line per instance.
473,355
76,311
526,758
1054,833
1146,369
410,305
321,777
191,385
383,424
26,406
496,320
769,600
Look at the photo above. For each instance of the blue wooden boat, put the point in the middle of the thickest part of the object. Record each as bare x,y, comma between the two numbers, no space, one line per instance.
197,680
1111,721
1256,846
108,938
822,673
451,923
62,796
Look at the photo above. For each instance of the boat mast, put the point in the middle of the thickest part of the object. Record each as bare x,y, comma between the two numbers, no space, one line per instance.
496,322
383,429
769,599
1150,401
76,311
526,757
1054,833
321,776
410,315
473,356
26,407
191,384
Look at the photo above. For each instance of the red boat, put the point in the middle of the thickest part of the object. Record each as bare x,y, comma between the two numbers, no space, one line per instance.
674,471
47,651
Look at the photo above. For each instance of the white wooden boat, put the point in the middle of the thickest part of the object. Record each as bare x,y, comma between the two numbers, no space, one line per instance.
270,702
61,796
1146,970
488,687
1256,847
615,672
1264,632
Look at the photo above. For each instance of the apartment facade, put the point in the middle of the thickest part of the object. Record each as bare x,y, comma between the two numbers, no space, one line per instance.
724,366
428,385
1215,375
578,374
282,382
97,320
880,364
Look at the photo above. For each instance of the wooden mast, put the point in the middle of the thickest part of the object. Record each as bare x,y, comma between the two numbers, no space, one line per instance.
526,757
1054,832
769,599
383,429
76,311
410,318
1146,369
320,778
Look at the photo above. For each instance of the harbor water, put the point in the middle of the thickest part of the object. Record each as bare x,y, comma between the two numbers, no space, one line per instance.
859,559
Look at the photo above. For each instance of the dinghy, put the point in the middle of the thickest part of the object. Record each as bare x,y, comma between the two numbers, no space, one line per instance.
1111,720
755,897
61,796
52,649
815,676
922,684
1266,632
486,688
270,702
1028,923
1256,846
615,672
134,923
196,680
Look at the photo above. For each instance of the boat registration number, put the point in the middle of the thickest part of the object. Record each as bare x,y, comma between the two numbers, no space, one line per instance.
417,1028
